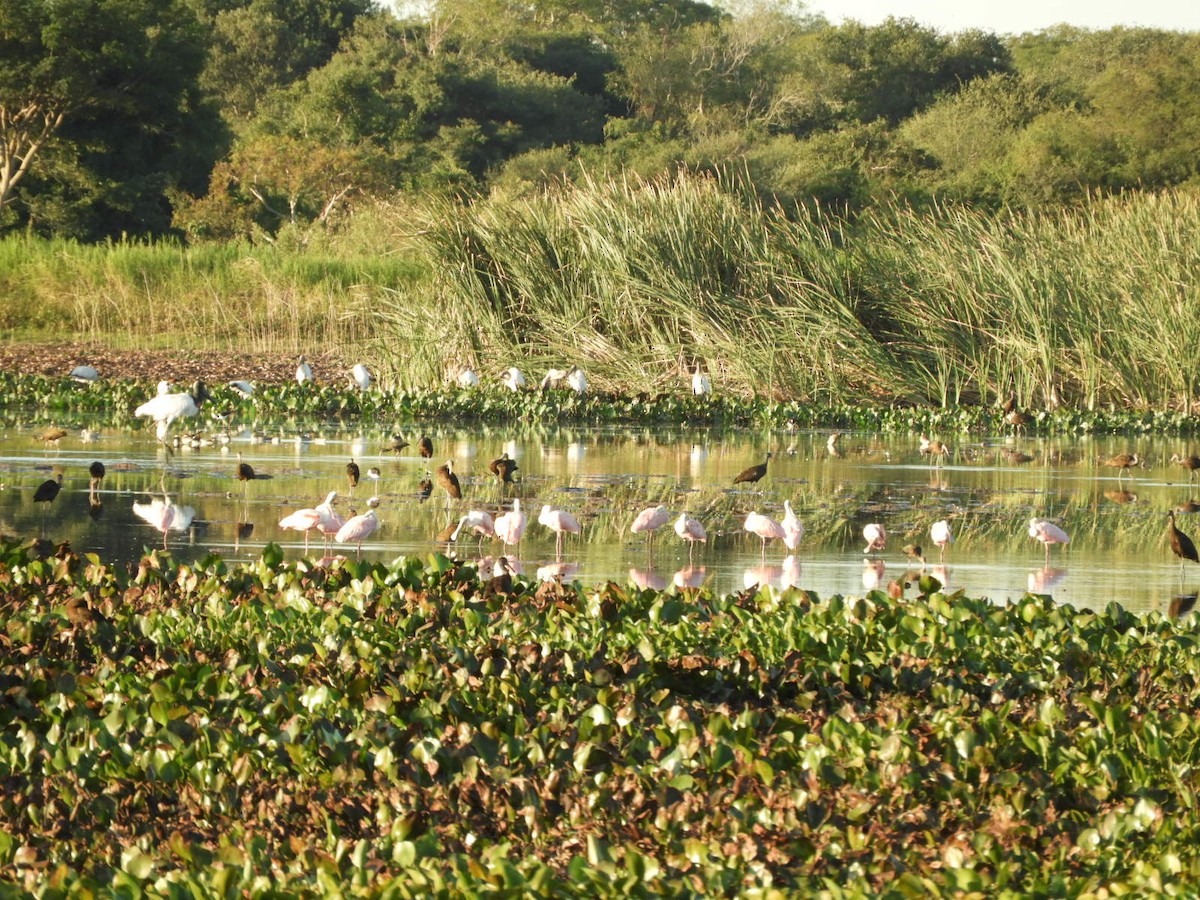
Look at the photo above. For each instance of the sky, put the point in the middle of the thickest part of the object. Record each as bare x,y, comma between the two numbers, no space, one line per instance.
1016,16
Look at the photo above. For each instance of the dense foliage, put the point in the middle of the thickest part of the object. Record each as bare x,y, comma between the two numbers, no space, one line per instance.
327,106
276,727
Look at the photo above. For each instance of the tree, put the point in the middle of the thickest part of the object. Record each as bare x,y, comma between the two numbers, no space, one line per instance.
104,94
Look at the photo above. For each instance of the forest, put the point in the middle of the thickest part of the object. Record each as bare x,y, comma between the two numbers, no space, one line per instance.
262,120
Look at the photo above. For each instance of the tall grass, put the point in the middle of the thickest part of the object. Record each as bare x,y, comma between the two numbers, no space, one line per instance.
209,297
639,281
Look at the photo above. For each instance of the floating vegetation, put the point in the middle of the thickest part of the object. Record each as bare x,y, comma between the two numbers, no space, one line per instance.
52,398
412,729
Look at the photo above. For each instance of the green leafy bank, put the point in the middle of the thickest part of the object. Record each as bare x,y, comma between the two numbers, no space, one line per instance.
406,729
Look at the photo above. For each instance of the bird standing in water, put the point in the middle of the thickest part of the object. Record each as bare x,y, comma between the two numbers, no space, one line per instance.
503,467
765,527
358,528
352,474
560,522
1181,545
876,537
1048,533
448,480
940,534
753,474
690,530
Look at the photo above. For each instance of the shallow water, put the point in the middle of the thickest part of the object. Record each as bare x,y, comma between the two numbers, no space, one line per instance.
1118,550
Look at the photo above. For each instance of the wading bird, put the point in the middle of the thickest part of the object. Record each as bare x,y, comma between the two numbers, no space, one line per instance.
941,535
85,374
690,530
358,528
1181,544
425,447
503,467
448,480
245,473
650,520
513,379
510,526
352,474
752,474
1191,463
876,537
396,444
576,380
1048,533
165,408
52,434
793,528
242,388
309,518
560,522
48,490
467,379
304,373
478,521
96,471
701,385
1123,462
935,450
360,377
765,527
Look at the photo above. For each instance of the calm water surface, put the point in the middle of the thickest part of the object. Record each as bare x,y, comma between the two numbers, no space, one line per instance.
1118,550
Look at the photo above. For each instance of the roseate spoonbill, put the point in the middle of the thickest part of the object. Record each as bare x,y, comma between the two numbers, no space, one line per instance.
940,534
690,530
754,473
165,408
765,527
793,528
448,480
650,520
302,520
876,537
1048,533
304,373
358,528
510,526
478,521
560,522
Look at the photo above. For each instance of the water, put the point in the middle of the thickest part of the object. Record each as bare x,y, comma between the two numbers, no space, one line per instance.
1118,550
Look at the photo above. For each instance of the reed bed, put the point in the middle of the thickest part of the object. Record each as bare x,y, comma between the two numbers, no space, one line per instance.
641,281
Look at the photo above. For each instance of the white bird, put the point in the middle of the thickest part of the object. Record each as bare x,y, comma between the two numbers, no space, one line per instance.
309,518
1048,533
164,409
690,530
876,537
358,528
577,381
650,520
872,574
554,378
510,526
478,521
467,378
243,388
560,522
513,379
303,371
701,386
793,528
359,377
85,374
940,534
765,527
164,515
690,577
164,387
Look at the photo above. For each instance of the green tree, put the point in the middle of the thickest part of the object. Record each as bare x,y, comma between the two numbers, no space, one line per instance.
100,113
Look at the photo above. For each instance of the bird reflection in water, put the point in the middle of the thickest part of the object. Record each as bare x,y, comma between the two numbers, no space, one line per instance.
556,570
690,577
242,532
872,573
164,515
763,576
1044,579
647,579
1121,497
1181,605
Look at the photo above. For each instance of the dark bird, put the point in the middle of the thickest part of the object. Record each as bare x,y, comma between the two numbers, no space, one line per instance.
1191,463
96,470
1017,419
352,474
503,468
934,449
245,471
1018,457
1181,544
754,473
396,444
1123,462
80,613
915,553
52,435
1010,404
424,489
425,447
48,490
448,480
